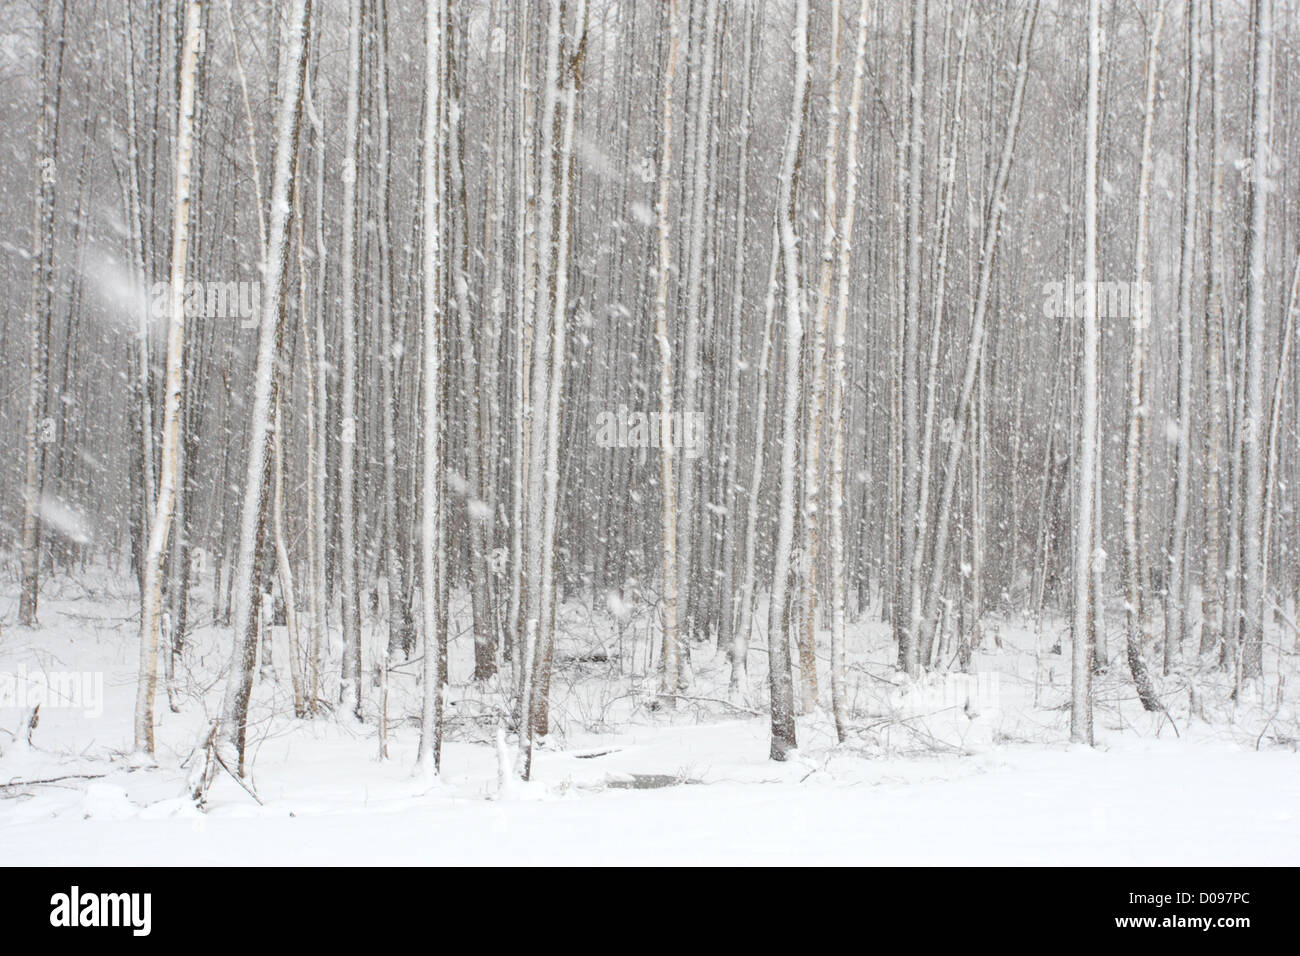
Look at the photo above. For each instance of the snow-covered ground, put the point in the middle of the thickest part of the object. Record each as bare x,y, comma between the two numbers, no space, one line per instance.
957,771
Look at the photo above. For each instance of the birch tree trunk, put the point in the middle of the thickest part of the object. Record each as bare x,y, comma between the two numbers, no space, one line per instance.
1086,466
907,604
350,679
1134,452
253,519
38,355
559,311
314,464
696,241
430,746
543,342
480,587
668,512
283,565
398,622
780,680
142,272
1212,621
838,385
740,649
732,544
559,360
525,298
160,526
1176,597
1251,623
936,338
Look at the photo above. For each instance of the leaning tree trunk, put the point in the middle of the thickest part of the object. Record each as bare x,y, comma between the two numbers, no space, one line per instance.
961,416
253,518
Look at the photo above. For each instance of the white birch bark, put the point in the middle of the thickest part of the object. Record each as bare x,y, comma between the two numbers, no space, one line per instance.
350,679
745,600
559,358
694,317
839,383
1212,620
1134,452
1176,598
427,761
543,335
1086,466
779,677
734,531
668,505
160,525
252,524
1251,612
807,626
908,601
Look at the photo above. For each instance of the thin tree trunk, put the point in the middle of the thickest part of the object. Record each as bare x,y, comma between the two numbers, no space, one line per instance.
907,602
839,384
252,526
690,322
668,685
398,622
1212,621
350,679
1134,453
1176,597
1086,466
740,650
559,310
160,525
779,677
430,746
731,545
936,338
1251,612
542,344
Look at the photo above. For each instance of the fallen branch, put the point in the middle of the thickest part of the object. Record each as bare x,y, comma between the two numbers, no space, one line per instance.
68,776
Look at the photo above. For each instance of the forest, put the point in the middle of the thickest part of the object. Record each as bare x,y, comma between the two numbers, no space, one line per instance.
523,400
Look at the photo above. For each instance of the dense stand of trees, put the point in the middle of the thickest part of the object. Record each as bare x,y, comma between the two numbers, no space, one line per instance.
773,317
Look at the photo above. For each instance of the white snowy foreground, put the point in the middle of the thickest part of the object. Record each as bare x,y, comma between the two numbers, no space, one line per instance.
990,781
